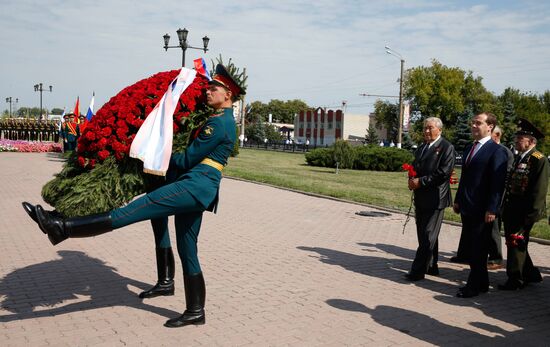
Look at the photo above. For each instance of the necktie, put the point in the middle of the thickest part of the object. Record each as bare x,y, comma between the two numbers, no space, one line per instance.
471,154
423,150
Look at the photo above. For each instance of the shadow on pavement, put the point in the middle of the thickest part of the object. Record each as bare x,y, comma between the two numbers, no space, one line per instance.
419,325
53,156
392,269
73,283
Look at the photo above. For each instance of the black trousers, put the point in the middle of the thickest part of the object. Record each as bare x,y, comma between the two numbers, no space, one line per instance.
478,234
428,225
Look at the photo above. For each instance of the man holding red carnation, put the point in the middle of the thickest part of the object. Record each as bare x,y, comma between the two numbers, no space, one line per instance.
432,168
524,204
193,181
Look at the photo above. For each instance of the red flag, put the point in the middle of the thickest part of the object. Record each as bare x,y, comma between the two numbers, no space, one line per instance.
76,110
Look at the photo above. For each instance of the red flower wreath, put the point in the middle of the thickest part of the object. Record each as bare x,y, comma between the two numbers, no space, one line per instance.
112,129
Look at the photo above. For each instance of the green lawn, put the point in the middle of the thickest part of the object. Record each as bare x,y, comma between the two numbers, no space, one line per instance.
289,170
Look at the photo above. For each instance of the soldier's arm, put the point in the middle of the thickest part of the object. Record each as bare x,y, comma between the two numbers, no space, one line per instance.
210,136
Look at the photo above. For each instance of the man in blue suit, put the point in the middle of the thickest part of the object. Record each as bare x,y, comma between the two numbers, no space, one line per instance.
478,199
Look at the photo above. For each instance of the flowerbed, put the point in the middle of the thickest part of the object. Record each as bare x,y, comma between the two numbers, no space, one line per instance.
29,146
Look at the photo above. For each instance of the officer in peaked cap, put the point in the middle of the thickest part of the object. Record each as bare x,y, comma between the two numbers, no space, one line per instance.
193,181
223,78
524,204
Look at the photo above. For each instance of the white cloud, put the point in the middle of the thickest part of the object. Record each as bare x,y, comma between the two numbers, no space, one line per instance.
322,52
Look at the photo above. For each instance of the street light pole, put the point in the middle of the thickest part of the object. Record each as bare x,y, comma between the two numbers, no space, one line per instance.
182,37
9,99
39,88
400,124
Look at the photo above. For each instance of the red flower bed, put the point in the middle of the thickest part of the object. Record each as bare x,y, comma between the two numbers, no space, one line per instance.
112,129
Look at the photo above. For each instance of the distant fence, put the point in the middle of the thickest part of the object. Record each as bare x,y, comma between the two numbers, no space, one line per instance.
281,147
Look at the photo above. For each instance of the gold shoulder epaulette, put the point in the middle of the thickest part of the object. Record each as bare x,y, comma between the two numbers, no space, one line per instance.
537,155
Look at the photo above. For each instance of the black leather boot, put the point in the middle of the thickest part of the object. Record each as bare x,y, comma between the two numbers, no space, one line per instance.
165,271
31,211
195,294
59,229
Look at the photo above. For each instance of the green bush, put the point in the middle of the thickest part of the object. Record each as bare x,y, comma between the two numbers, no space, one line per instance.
321,157
343,154
372,158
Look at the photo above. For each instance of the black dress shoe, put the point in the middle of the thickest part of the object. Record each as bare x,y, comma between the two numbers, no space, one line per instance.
458,260
510,285
433,271
30,209
466,292
481,290
414,277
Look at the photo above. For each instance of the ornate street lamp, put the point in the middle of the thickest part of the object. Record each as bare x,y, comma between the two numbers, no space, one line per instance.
38,88
10,100
182,37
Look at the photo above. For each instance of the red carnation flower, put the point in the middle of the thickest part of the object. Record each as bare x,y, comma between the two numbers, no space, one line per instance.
102,155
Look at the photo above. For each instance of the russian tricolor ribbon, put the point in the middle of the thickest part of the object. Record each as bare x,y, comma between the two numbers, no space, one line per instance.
200,66
153,141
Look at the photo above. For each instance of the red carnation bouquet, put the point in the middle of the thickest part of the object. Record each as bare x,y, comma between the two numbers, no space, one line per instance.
112,129
516,240
100,175
410,169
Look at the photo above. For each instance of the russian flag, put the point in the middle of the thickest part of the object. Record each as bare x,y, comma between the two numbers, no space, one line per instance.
90,112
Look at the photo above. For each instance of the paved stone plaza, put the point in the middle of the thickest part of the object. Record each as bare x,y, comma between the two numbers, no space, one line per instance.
281,268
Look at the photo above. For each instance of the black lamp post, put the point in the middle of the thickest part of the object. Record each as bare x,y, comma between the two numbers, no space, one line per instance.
38,88
9,99
182,36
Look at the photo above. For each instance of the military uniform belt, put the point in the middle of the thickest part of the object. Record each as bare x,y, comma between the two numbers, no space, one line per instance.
212,163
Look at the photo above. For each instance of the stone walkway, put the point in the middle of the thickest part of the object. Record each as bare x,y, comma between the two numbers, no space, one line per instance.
281,268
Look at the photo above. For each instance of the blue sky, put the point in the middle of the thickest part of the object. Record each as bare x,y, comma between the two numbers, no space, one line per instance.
322,52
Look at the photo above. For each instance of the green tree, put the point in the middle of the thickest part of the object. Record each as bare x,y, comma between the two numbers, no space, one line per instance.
281,111
56,110
386,115
445,92
516,104
343,155
29,112
271,133
371,138
255,132
462,135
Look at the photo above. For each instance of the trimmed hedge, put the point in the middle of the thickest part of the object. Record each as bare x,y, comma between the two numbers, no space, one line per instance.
372,158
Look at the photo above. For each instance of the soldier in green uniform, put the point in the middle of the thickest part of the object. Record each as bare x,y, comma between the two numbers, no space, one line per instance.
72,131
63,132
524,204
195,177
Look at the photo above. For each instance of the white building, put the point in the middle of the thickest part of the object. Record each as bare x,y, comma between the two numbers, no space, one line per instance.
323,127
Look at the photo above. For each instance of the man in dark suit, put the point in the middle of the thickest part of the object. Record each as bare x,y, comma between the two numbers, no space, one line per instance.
524,204
478,199
433,163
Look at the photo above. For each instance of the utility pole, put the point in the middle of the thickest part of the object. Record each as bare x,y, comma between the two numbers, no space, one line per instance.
400,125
